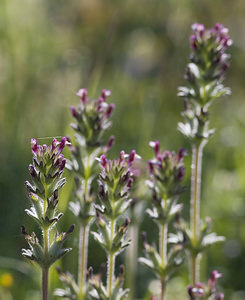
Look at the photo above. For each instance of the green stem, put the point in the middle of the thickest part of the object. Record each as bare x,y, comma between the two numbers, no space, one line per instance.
163,289
82,258
163,251
163,243
131,260
195,266
195,206
83,238
111,263
45,270
45,283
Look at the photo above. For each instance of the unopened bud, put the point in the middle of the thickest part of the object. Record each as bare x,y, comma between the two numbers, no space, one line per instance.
32,171
62,144
151,166
220,296
110,143
105,93
215,275
103,161
130,181
181,173
82,93
62,165
193,41
110,110
73,111
131,157
101,191
181,154
54,144
34,146
121,158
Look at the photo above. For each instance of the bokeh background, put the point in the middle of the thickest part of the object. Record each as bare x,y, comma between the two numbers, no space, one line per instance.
138,49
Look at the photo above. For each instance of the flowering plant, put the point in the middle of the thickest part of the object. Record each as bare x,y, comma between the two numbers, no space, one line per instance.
46,173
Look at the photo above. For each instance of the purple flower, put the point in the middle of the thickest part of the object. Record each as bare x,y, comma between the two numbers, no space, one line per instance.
214,276
92,117
167,166
47,160
34,146
206,290
119,170
82,93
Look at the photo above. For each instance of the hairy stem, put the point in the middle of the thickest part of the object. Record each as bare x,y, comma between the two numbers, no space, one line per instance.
111,263
82,257
195,206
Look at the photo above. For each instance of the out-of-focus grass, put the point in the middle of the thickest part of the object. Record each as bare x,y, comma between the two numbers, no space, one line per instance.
138,49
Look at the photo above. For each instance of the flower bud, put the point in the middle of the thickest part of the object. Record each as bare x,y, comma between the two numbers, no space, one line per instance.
62,165
214,276
121,158
103,161
105,93
130,181
82,93
74,111
110,143
193,41
32,171
220,296
34,146
131,157
151,166
101,191
110,110
62,144
189,290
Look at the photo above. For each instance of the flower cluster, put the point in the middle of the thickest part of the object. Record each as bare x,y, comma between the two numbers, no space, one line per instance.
99,291
46,173
115,181
209,46
167,173
206,291
167,170
205,73
92,118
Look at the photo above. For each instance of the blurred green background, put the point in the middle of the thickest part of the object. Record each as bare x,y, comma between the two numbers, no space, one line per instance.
138,49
